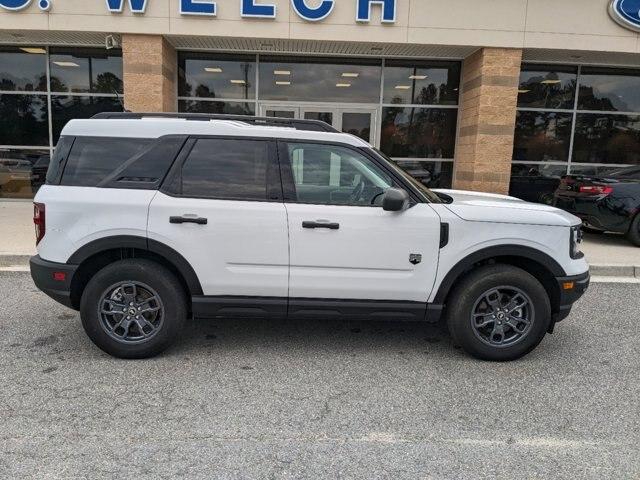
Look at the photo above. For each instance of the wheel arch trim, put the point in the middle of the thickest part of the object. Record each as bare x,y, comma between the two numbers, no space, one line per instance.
170,255
489,253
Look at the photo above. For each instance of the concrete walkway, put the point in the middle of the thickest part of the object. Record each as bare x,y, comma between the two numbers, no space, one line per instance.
17,238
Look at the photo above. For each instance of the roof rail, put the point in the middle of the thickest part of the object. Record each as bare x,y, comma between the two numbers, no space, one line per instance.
312,125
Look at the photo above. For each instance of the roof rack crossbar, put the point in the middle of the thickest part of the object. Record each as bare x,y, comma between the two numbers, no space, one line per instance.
298,124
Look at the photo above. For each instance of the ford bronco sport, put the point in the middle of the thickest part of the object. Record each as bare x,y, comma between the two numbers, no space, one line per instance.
148,219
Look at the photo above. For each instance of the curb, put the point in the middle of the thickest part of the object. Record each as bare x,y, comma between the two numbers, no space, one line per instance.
615,271
14,260
627,271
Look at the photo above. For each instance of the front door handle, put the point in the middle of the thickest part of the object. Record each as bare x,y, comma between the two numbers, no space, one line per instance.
329,225
186,219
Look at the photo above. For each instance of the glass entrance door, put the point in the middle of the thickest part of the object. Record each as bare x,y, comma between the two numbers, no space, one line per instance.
360,122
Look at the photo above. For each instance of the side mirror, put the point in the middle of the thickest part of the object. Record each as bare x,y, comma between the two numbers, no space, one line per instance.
395,200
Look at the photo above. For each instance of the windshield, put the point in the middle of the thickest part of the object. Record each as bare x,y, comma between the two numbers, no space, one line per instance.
422,188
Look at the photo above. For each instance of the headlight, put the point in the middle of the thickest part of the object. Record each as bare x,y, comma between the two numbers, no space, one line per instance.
576,240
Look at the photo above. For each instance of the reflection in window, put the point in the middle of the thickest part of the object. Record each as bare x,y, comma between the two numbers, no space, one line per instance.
65,108
422,83
431,174
23,69
613,139
22,172
226,108
547,87
319,80
536,182
358,124
605,170
24,120
216,76
609,89
86,70
418,132
542,136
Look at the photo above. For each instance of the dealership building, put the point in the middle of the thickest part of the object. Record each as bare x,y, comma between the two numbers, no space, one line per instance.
490,95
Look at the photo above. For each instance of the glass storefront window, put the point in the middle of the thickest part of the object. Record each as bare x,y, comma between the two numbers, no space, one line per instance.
421,83
614,90
85,71
547,86
536,182
319,80
23,69
22,171
431,174
227,108
418,132
24,120
65,108
542,136
601,138
216,76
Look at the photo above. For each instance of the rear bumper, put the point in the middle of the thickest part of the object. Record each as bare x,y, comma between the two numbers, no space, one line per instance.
595,211
44,276
568,296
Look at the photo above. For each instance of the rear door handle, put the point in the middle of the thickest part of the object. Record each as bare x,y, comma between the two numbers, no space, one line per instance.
329,225
186,219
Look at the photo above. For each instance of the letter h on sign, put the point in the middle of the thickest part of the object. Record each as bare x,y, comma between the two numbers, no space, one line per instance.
363,12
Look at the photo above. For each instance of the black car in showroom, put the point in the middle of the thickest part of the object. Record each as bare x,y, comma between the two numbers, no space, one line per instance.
608,203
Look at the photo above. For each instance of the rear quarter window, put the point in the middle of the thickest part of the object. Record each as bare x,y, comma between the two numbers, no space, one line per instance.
91,159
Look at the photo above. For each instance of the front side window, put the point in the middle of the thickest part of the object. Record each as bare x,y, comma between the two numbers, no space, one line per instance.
226,169
334,175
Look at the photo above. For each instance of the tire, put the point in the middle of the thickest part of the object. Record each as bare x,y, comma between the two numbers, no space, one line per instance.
634,231
159,304
470,297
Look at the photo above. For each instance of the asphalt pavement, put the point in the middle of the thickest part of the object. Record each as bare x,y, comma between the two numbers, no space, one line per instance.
319,399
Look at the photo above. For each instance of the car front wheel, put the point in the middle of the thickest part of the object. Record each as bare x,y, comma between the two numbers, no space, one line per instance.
133,308
498,312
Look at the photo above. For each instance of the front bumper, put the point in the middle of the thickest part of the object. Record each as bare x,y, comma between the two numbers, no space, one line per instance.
571,289
54,279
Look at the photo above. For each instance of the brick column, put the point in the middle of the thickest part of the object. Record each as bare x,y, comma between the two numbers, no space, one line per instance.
484,147
149,65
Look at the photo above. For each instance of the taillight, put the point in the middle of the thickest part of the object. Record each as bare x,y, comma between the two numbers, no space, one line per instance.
596,189
39,221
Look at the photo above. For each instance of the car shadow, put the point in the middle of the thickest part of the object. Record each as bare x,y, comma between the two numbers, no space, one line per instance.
313,336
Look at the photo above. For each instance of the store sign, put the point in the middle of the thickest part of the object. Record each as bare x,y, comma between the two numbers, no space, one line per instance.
248,8
626,13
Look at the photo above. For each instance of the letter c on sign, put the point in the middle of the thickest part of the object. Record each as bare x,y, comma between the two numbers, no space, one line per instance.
312,14
14,4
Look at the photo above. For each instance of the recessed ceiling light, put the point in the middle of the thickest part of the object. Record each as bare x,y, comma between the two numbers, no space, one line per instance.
343,85
403,87
282,72
213,69
417,77
283,83
550,82
350,75
524,91
33,50
239,82
67,64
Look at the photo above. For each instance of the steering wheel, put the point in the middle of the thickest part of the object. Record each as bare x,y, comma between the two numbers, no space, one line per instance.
357,192
376,196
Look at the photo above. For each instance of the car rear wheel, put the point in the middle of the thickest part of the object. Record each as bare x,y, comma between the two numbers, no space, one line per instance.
634,231
498,312
133,308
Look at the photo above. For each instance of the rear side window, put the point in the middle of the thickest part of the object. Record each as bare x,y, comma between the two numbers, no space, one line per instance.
226,169
93,158
59,156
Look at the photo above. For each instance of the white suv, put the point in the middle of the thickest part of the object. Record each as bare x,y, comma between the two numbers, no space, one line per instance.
146,220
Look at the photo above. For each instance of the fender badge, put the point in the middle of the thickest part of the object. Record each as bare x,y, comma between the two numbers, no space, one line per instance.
415,258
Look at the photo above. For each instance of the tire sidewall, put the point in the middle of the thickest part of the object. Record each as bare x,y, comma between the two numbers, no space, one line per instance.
157,277
467,293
